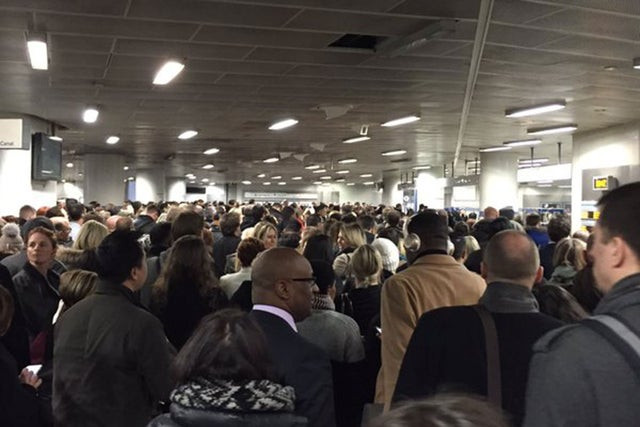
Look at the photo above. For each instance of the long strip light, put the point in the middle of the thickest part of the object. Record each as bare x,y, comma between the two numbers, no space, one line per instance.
283,124
207,166
535,160
271,160
394,152
296,178
311,167
38,54
319,171
211,151
188,134
356,139
168,72
419,168
347,161
492,149
342,172
522,143
552,130
536,109
366,175
246,182
400,121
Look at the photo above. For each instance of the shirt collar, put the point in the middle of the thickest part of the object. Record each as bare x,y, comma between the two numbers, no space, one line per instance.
284,315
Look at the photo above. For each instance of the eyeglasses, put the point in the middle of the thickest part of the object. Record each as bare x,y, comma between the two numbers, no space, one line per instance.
310,280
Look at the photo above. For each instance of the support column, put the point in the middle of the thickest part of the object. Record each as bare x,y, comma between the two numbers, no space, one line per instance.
176,189
150,185
103,178
499,180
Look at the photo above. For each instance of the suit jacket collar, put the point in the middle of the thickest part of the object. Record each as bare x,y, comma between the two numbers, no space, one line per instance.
437,258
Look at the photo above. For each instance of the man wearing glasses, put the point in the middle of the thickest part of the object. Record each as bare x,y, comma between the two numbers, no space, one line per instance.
282,289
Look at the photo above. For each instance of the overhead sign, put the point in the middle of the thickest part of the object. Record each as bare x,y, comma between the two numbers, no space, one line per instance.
260,195
602,183
10,133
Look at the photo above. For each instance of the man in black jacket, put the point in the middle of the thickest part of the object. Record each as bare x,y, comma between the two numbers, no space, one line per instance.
111,357
282,282
447,349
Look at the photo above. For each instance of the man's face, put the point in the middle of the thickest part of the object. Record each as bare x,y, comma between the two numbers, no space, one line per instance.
600,253
139,274
301,290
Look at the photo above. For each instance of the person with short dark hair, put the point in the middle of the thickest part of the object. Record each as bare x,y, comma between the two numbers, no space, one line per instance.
448,347
228,243
319,247
585,374
111,357
145,221
25,214
368,224
75,211
224,376
160,236
535,230
558,228
248,250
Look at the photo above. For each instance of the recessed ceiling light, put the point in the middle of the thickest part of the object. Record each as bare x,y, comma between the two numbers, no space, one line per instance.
126,168
188,134
401,121
311,167
69,165
342,172
211,184
366,175
296,178
394,152
211,151
205,180
276,177
347,161
113,140
266,183
536,109
325,177
317,182
636,63
168,72
90,115
246,182
80,174
492,149
319,171
260,175
283,124
37,48
522,142
56,138
207,166
192,182
282,183
271,160
418,168
552,130
340,180
130,178
610,68
351,183
369,183
356,139
545,181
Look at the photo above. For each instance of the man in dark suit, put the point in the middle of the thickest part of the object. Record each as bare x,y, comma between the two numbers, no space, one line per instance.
282,284
447,349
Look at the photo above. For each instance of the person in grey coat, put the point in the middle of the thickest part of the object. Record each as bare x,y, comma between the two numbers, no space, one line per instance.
578,377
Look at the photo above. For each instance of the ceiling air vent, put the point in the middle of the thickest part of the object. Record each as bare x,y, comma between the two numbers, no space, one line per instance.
357,41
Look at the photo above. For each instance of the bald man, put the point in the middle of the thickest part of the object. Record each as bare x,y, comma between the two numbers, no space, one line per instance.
447,349
490,213
282,289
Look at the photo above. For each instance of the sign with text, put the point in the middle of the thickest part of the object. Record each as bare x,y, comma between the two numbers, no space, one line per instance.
601,183
263,195
10,133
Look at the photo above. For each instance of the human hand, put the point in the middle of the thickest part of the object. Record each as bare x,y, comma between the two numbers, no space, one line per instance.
29,378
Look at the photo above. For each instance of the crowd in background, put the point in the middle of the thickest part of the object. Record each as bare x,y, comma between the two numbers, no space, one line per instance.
287,314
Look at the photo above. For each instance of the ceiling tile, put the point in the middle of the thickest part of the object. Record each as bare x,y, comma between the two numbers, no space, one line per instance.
239,67
519,12
14,20
111,7
80,43
518,36
359,5
457,66
308,56
179,49
245,79
211,12
265,37
438,47
596,47
630,7
81,59
449,9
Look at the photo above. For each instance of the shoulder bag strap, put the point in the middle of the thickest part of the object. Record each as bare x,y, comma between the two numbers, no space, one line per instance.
494,377
620,336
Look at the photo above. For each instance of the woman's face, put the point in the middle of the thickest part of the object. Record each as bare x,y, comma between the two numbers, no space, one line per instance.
342,242
40,250
270,239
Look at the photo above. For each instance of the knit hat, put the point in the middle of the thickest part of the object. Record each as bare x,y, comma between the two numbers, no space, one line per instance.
10,241
388,252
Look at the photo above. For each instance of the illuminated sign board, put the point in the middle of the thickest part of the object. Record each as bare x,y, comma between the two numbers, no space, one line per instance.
601,183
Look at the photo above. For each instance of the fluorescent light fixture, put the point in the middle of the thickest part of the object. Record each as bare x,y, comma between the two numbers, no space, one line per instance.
168,72
400,121
90,115
342,172
205,180
276,177
319,171
130,178
283,124
125,168
188,134
340,180
113,139
544,185
564,186
366,175
317,182
311,167
529,165
347,161
369,183
296,178
545,181
325,177
636,63
246,182
351,183
356,139
56,138
211,184
536,109
266,183
492,149
419,168
552,130
192,182
69,165
282,183
534,160
260,175
38,54
211,151
207,166
522,143
189,175
271,160
394,152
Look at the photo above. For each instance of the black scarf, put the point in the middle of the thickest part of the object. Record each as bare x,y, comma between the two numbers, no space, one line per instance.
501,297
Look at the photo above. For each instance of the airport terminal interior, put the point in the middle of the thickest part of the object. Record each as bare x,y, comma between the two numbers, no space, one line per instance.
526,107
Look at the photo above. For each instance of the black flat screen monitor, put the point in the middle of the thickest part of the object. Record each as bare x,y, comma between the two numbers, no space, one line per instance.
46,158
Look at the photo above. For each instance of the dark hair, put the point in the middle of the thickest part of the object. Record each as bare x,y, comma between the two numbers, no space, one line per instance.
504,262
461,229
75,211
53,211
366,222
324,274
448,410
555,301
50,235
229,223
532,220
289,239
160,234
432,229
391,233
319,247
76,285
89,216
188,264
618,215
313,220
39,221
248,250
7,309
118,253
187,223
227,345
152,208
559,227
393,218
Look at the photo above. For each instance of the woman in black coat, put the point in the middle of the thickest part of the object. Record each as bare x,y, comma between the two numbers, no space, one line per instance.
224,378
187,290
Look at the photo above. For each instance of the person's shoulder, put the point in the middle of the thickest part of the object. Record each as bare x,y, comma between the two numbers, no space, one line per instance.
567,338
341,319
444,315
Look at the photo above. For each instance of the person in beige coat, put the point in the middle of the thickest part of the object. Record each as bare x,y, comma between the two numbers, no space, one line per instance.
434,279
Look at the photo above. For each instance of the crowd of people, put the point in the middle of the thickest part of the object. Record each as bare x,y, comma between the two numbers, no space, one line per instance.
320,315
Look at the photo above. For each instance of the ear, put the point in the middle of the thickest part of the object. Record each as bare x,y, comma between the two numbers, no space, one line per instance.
281,289
618,251
539,274
483,270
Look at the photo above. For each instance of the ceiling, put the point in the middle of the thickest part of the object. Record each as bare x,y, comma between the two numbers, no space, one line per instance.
250,63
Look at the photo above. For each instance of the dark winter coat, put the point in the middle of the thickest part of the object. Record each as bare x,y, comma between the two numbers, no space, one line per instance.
38,297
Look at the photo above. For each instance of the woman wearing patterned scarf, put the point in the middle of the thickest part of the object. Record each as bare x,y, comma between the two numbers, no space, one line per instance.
224,378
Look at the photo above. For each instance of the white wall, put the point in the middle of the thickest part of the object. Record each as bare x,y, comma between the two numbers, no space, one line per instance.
176,189
430,190
71,190
150,185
